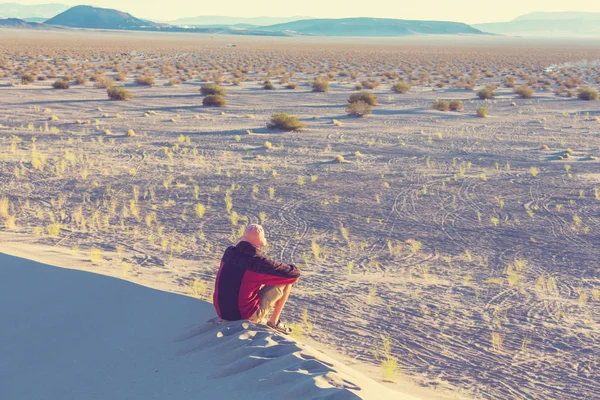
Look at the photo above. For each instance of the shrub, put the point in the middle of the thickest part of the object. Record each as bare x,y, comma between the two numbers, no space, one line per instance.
370,83
42,78
467,85
236,81
509,81
130,133
26,79
365,96
212,89
339,159
269,85
120,77
174,82
118,93
401,87
61,84
482,112
441,105
80,80
103,82
292,85
145,80
359,108
457,105
486,93
214,100
284,121
321,85
524,91
588,94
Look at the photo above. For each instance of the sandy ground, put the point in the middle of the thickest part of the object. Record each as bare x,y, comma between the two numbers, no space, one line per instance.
80,335
470,244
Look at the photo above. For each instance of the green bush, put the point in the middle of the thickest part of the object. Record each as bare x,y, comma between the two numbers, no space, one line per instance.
212,89
486,93
359,108
457,105
364,96
441,105
401,87
61,84
524,91
118,93
214,100
587,94
286,122
482,112
145,80
321,85
269,85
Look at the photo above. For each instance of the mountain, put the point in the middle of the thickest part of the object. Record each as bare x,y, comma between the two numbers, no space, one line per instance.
544,16
99,18
16,23
548,24
22,11
372,27
233,21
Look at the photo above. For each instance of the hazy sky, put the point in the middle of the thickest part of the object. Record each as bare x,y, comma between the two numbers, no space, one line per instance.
469,11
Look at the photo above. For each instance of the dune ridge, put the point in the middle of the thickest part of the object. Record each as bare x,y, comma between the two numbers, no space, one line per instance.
72,334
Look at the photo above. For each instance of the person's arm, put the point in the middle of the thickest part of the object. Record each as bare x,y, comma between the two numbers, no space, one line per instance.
273,273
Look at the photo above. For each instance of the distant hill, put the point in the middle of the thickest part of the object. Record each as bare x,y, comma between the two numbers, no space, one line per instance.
20,24
548,24
216,20
22,11
545,16
99,18
373,27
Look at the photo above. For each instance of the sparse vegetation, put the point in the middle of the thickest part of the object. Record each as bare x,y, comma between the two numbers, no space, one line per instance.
214,100
456,105
212,89
587,94
145,80
118,93
284,121
364,96
401,87
321,85
359,108
441,105
486,93
61,84
524,91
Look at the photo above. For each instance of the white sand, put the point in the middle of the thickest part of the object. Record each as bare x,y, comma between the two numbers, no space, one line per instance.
69,334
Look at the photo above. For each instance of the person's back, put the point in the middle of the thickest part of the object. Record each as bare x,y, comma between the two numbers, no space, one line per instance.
249,284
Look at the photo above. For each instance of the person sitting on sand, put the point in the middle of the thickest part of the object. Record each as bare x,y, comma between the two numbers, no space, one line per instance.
249,284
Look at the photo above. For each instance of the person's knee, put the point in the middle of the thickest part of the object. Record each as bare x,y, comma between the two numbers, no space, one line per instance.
270,294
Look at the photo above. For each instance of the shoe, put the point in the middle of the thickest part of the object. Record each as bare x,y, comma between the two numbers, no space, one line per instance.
280,327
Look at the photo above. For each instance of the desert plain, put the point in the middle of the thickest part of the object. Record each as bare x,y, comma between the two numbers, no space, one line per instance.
456,251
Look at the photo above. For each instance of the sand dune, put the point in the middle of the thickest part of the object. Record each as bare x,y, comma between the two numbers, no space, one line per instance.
68,334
